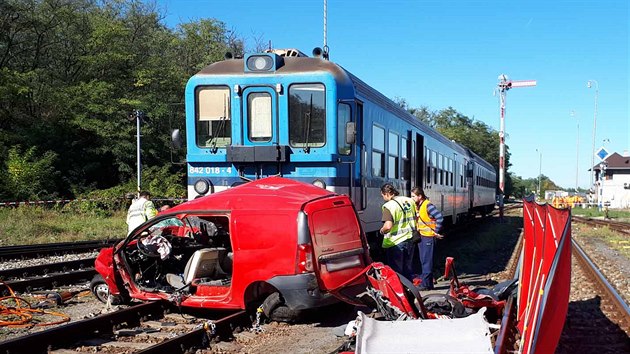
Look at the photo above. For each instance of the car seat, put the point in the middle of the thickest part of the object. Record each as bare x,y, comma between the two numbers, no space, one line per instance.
204,263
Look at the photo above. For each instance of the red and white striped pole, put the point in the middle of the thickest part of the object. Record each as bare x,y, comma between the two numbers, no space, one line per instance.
504,85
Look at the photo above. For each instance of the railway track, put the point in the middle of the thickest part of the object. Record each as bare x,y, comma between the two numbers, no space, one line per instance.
598,320
143,328
49,281
621,227
47,276
45,269
620,311
32,251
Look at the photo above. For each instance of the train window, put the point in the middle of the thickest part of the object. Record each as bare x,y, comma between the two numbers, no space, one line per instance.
450,172
441,168
307,115
343,117
212,117
393,160
378,151
445,169
259,116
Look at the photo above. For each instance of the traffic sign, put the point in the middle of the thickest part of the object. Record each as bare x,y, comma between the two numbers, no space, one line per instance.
602,153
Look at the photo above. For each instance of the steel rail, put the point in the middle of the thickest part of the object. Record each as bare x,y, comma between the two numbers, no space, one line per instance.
622,308
65,335
52,280
197,338
44,269
621,227
507,333
32,251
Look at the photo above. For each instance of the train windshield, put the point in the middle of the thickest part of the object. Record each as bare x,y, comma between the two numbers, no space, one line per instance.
307,115
212,123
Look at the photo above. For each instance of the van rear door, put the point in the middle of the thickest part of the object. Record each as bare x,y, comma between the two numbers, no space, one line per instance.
339,248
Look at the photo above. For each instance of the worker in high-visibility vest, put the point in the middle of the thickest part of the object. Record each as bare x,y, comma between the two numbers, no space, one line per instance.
429,224
140,210
398,216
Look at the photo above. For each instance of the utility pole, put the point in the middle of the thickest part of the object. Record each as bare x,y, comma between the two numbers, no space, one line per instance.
138,115
539,170
577,151
589,84
504,85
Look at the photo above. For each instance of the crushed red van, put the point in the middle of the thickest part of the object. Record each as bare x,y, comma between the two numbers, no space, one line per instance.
274,241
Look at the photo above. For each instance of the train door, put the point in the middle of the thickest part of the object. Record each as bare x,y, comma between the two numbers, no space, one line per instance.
418,162
470,169
360,199
259,116
453,173
348,145
407,154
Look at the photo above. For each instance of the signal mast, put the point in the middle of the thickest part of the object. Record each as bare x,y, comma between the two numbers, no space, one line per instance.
504,85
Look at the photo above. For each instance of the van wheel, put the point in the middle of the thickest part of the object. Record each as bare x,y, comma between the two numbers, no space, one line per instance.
276,310
100,289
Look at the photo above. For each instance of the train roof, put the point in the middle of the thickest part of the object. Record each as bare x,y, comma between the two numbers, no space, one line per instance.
292,65
376,96
480,160
302,64
271,193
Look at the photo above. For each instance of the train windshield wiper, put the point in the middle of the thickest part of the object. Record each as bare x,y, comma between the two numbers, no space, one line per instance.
221,128
308,117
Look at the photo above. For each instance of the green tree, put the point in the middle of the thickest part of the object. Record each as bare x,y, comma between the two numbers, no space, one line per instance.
29,175
72,70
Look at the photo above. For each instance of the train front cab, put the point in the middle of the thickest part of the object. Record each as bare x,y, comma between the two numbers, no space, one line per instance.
294,119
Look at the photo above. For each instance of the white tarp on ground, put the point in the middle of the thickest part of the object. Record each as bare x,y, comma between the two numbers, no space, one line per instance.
460,335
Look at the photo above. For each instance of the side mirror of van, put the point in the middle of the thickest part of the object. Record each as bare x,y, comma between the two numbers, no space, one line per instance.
351,132
176,139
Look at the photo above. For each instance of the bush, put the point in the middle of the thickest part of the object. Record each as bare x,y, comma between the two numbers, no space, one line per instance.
160,181
29,175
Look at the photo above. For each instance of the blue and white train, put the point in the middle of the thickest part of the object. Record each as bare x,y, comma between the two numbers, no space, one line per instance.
307,118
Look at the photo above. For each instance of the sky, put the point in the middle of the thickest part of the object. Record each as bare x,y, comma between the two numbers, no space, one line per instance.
441,53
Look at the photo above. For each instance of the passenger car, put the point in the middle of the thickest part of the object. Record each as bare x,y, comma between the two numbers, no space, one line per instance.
273,241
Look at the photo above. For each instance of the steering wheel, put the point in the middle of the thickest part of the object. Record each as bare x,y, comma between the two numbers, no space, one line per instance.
148,250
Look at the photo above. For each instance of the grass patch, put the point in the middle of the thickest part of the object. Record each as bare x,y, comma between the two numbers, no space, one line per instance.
617,215
35,225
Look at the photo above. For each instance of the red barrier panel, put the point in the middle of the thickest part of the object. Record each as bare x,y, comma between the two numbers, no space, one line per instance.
527,257
543,298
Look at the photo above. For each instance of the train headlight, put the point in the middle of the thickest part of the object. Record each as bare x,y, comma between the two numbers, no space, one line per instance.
319,183
201,186
259,63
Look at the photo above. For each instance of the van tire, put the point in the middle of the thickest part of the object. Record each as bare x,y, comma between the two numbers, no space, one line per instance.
100,289
275,309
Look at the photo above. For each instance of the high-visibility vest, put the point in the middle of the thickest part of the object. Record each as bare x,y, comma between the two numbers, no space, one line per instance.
403,220
426,225
140,211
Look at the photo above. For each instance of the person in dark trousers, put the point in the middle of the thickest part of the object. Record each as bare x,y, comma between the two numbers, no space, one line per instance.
429,224
398,220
